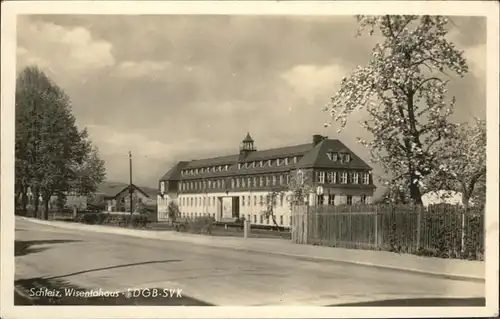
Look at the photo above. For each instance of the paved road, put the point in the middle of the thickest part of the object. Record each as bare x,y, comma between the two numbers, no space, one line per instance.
89,260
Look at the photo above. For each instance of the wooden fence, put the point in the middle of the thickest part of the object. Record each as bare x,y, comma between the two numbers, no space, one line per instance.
440,230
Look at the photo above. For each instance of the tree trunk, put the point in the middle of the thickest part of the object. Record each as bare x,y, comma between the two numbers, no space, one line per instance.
36,203
465,202
415,193
276,224
46,208
24,201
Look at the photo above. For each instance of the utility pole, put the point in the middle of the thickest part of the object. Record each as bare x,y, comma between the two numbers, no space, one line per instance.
130,189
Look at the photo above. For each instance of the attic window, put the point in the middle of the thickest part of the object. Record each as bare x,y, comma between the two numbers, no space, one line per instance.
334,157
295,159
253,164
345,157
286,161
261,163
239,165
227,167
269,162
278,162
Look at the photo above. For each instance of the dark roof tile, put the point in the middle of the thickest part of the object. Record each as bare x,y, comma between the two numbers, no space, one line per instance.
311,156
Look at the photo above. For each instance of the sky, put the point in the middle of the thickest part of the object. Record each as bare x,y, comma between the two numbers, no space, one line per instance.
182,87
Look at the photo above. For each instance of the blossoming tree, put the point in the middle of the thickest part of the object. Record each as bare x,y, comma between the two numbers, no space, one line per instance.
462,165
403,89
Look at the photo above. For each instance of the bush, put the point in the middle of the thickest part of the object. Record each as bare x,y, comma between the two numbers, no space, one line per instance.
200,225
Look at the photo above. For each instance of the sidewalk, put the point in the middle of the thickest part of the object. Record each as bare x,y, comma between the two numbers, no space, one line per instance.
448,268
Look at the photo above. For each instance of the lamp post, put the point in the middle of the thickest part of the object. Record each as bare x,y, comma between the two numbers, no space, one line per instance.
130,180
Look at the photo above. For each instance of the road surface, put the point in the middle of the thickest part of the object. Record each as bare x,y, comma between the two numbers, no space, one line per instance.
56,257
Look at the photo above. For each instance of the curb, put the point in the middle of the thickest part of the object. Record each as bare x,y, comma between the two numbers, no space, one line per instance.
289,255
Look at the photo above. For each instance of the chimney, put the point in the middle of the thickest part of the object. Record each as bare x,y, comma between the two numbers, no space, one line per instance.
317,139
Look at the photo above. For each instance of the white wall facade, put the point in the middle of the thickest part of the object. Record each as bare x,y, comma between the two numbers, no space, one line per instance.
162,205
251,206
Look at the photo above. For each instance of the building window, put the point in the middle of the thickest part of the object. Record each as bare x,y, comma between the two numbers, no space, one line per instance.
286,161
366,178
363,199
249,182
261,201
268,180
255,200
355,178
213,201
242,200
343,178
278,162
267,220
331,200
239,165
270,162
320,199
249,201
261,181
281,220
255,182
281,179
255,218
204,199
295,159
242,182
262,219
274,180
261,163
321,177
281,199
330,178
232,182
237,183
209,184
349,200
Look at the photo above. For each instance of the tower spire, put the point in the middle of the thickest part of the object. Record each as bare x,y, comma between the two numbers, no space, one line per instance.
247,145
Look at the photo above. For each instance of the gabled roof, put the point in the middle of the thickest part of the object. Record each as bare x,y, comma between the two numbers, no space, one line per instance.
311,156
112,189
318,157
220,160
280,152
175,172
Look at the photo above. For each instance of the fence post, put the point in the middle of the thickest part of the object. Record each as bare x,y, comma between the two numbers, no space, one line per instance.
246,225
376,227
462,237
419,226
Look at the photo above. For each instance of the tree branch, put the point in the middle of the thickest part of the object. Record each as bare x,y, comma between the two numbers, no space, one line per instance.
425,81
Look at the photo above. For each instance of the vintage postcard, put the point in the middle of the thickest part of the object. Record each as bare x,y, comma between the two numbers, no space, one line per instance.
249,159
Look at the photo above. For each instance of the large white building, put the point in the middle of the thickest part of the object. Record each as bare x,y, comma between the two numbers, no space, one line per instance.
238,185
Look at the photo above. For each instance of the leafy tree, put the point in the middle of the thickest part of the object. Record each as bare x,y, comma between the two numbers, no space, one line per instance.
403,89
462,165
299,187
49,147
33,89
173,211
296,192
90,172
272,200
